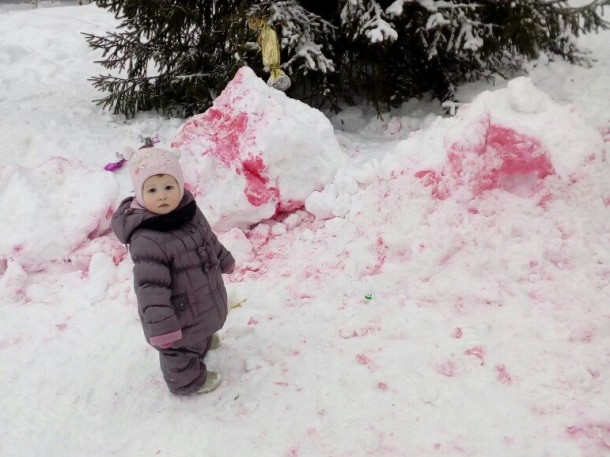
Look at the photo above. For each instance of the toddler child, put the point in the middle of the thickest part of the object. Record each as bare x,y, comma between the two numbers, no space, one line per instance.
178,266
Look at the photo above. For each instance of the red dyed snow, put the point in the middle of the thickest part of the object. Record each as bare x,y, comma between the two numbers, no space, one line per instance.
371,328
260,236
503,375
457,333
224,131
256,190
109,245
7,343
596,434
227,132
501,154
476,351
544,200
446,369
192,189
605,131
454,250
363,359
381,251
583,335
431,178
102,225
287,206
520,154
594,373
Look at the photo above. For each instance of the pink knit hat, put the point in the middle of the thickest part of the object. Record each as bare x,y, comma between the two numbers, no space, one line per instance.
148,162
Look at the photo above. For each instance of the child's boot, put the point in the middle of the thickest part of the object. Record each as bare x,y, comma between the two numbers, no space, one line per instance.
215,344
212,381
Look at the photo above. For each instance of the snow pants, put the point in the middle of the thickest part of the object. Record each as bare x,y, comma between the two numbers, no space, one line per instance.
183,368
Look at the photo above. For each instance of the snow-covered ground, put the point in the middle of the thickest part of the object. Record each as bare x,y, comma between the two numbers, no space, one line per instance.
443,292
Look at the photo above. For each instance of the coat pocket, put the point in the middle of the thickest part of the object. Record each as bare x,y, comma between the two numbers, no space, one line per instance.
183,310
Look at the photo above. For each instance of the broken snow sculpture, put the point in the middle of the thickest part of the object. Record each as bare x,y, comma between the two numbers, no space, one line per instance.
256,152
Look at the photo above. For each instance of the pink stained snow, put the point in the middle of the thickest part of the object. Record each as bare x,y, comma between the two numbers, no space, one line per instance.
502,159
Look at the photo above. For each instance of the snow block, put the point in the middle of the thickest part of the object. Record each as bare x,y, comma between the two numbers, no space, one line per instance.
256,152
51,210
511,139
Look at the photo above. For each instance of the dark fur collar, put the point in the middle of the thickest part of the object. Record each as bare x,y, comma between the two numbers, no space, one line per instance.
171,221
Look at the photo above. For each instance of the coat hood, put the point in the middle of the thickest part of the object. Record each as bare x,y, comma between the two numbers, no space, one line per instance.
129,216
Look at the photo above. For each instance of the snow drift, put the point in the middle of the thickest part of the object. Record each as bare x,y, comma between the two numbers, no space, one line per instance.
52,209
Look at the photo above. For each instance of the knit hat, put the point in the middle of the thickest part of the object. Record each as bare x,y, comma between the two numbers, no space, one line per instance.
148,162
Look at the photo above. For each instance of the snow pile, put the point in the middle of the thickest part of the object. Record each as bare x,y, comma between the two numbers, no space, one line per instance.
509,139
256,152
52,209
462,311
515,138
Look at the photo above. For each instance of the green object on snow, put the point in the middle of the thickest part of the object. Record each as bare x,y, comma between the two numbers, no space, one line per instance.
369,296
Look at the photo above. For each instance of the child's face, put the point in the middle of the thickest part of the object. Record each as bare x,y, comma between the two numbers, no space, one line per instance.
161,194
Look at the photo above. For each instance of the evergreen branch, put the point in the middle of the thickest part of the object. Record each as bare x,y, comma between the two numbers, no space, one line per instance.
357,52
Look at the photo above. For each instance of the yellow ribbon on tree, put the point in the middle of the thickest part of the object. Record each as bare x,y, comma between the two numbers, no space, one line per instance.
270,49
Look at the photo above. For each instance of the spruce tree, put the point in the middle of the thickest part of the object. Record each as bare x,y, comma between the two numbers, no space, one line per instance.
175,56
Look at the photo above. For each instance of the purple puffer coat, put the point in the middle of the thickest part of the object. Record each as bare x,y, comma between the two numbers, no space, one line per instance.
177,270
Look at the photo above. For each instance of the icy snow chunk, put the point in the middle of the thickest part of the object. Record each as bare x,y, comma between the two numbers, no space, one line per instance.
345,182
293,219
236,242
54,208
321,204
278,229
256,151
342,206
